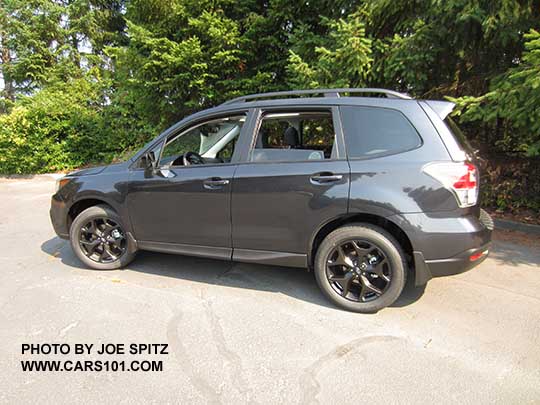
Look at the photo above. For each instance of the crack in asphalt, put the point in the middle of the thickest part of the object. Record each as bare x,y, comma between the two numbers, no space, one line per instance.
181,354
311,387
233,359
229,357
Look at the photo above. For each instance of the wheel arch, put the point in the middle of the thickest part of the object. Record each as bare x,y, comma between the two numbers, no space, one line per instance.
346,219
80,205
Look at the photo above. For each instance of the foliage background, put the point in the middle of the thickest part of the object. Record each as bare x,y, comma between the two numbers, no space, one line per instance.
89,81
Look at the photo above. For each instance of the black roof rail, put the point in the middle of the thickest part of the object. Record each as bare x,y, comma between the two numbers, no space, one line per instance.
326,92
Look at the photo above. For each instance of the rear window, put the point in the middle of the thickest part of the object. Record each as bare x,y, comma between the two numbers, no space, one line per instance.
372,131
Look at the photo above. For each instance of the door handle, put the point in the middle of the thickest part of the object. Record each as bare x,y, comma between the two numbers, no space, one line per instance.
215,182
325,178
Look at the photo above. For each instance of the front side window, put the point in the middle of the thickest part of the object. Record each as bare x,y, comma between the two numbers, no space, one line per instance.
212,142
372,131
295,136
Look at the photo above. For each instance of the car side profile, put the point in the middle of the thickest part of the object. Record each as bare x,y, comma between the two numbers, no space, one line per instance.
366,187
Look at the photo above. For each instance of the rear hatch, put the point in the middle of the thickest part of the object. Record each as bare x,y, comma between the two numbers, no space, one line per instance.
461,177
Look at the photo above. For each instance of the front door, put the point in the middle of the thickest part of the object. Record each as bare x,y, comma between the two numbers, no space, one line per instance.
296,179
187,200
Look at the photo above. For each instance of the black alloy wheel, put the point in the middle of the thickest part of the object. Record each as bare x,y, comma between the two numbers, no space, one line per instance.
358,270
361,267
102,240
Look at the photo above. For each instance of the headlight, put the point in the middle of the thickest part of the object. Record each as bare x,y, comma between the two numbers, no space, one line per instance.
61,182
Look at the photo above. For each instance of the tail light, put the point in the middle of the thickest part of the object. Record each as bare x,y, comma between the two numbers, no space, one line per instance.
459,177
478,255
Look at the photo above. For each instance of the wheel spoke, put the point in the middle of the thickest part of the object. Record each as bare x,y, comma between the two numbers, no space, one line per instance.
108,228
90,245
367,287
379,270
360,251
96,230
101,254
342,259
344,282
89,229
100,229
110,253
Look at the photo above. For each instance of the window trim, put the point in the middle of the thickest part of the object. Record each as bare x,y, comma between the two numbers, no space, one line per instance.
382,154
259,114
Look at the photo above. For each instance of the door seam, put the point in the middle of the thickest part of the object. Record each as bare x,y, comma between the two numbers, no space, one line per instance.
231,211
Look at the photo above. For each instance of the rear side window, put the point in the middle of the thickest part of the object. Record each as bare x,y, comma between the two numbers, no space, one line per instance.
372,131
295,136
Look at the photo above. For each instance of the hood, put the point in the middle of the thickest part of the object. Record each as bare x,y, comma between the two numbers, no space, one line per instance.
113,167
88,171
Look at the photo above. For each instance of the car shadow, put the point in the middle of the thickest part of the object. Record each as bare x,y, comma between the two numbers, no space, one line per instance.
293,282
513,254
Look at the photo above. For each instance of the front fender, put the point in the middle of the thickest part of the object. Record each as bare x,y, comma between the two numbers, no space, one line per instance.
110,187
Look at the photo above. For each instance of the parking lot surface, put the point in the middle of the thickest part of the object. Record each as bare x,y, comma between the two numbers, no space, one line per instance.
243,333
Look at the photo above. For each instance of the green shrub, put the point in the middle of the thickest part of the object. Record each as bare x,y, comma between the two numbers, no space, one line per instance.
58,128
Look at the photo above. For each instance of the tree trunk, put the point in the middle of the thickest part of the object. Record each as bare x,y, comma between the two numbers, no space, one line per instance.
9,88
76,54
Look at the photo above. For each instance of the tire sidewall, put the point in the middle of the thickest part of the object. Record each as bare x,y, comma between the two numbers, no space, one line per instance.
384,241
75,232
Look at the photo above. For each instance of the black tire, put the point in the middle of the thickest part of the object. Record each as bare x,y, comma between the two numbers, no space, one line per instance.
359,237
103,218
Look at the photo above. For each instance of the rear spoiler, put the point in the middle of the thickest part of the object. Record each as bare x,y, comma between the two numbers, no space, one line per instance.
441,108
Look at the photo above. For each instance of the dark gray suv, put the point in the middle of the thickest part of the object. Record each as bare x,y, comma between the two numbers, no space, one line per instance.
366,187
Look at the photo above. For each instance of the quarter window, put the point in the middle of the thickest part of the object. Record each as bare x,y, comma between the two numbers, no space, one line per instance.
377,131
295,136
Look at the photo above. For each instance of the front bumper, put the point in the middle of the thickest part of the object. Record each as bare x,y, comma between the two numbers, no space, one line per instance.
59,216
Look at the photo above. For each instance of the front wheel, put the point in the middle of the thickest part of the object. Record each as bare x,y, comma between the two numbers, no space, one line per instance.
361,268
99,240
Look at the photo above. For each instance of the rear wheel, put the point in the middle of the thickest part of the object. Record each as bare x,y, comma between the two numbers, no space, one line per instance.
361,268
99,240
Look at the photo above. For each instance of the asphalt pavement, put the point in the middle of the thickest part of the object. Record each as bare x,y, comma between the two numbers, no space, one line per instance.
244,333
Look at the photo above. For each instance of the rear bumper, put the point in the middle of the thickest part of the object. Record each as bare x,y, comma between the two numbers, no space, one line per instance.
460,263
447,267
444,246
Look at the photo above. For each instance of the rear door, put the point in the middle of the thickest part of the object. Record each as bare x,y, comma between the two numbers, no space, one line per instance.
295,179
